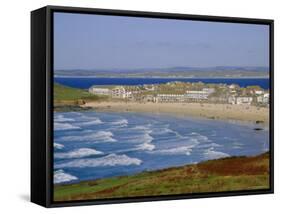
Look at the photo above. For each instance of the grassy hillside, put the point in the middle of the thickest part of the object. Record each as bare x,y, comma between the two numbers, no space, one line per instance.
67,95
228,174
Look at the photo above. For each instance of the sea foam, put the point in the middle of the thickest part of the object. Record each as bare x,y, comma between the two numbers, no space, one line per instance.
183,150
121,122
61,177
99,136
94,121
180,150
61,118
109,160
78,153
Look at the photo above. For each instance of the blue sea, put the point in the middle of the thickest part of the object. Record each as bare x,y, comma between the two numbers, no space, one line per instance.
92,145
85,83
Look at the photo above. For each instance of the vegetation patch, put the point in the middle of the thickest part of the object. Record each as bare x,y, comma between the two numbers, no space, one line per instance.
227,174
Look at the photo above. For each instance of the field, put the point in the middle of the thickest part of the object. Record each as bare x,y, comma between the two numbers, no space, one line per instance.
227,174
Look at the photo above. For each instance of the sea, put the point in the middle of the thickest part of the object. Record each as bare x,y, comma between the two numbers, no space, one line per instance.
92,145
85,83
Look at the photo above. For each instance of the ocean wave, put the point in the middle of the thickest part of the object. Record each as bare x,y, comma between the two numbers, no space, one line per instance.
161,131
181,150
145,142
229,138
145,146
94,121
61,118
201,138
212,154
60,177
237,145
100,136
121,122
175,151
64,126
209,145
141,127
78,153
109,160
58,146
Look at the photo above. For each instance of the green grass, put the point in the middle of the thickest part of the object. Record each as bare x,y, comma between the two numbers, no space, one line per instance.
228,174
65,94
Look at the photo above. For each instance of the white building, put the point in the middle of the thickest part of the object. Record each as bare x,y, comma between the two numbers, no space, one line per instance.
259,92
100,91
244,100
263,98
209,90
121,92
197,95
233,86
118,92
169,98
232,100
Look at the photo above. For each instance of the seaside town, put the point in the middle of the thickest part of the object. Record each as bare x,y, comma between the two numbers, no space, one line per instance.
186,92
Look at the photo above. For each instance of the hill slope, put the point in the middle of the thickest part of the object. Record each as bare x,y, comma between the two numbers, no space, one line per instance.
228,174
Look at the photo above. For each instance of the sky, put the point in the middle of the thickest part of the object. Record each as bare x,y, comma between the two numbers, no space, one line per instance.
86,41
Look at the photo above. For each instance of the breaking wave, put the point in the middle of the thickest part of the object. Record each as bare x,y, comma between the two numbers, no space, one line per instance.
61,118
64,126
181,150
78,153
141,127
208,145
100,136
94,121
161,131
121,122
60,177
109,160
175,151
201,138
145,146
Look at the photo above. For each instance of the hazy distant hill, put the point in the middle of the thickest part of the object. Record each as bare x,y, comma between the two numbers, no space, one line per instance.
218,71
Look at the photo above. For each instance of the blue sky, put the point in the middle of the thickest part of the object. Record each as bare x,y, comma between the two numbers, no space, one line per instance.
83,41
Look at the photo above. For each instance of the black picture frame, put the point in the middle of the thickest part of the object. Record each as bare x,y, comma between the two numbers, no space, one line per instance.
42,104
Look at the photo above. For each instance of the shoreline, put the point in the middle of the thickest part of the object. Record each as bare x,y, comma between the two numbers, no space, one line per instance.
203,110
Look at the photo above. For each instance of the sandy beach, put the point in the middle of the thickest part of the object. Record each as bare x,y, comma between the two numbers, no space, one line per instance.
212,111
